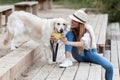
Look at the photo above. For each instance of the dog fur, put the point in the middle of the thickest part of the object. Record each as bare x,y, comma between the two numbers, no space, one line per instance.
38,29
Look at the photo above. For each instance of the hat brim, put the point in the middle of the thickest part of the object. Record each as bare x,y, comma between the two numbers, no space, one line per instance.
75,19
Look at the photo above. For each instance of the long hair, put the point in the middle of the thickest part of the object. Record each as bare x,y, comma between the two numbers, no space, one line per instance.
79,32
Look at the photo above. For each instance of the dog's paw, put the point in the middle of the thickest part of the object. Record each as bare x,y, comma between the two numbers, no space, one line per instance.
51,62
43,58
13,48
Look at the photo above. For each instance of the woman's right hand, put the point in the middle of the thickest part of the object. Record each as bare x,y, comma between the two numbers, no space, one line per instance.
64,40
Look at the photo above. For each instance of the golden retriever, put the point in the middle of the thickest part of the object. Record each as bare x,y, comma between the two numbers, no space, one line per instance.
39,29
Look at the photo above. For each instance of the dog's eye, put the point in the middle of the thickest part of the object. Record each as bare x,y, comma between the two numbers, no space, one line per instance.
58,23
64,24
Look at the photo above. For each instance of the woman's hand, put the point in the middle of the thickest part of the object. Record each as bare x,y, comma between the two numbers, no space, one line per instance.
53,38
64,40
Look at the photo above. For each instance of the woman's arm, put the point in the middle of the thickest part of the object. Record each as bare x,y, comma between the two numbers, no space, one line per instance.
76,44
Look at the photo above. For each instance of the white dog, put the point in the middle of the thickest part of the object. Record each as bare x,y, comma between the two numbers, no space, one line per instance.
38,29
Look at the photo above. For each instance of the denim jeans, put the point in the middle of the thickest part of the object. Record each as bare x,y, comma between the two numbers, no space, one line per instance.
89,56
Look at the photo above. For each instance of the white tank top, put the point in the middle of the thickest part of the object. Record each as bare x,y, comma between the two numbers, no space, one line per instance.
86,37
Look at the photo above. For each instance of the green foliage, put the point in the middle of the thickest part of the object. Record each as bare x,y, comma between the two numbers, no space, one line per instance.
78,3
9,1
112,7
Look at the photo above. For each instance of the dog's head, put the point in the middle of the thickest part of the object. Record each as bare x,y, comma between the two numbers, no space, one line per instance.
60,25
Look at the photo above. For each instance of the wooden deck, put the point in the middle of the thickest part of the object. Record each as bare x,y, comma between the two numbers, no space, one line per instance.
25,63
41,70
114,54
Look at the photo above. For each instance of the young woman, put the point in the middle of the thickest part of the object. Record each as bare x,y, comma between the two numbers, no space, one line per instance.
80,42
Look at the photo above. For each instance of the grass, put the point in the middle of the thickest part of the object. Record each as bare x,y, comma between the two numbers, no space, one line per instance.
67,3
9,1
79,3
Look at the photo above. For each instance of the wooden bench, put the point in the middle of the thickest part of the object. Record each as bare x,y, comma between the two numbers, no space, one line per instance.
29,6
99,23
23,57
92,10
5,10
45,4
114,54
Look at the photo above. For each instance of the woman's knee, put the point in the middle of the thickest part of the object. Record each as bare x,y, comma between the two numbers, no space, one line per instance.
109,67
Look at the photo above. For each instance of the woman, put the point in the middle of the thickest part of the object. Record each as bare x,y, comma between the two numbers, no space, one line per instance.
80,42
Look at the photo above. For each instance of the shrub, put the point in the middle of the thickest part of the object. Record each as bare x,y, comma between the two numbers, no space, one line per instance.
78,3
9,1
112,7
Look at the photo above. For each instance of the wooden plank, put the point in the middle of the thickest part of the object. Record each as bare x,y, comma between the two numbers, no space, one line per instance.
95,72
108,33
19,59
114,57
83,71
26,3
118,48
95,20
114,51
118,71
44,72
116,75
90,19
32,70
102,37
98,27
0,19
69,73
107,54
5,8
56,73
118,42
114,27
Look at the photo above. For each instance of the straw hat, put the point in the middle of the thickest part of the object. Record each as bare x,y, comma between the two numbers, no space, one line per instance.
79,16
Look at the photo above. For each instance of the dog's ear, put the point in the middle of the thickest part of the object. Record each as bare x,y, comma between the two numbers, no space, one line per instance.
67,25
54,24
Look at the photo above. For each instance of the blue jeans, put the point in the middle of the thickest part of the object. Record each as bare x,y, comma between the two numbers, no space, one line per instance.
89,56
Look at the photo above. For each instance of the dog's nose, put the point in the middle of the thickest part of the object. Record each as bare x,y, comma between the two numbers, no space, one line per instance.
61,30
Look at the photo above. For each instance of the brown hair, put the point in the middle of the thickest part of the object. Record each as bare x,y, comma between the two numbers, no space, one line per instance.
79,32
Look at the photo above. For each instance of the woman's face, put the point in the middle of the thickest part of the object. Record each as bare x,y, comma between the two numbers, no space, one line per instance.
74,24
